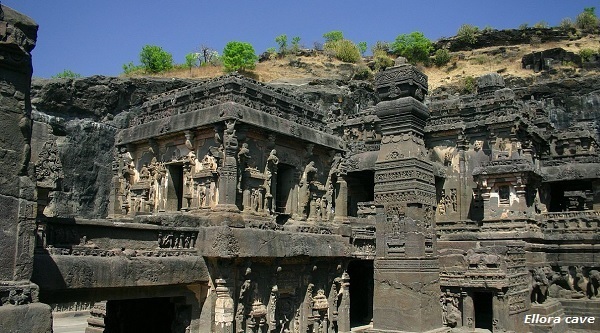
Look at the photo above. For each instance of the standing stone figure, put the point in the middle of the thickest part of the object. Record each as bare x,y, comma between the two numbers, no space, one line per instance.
270,171
304,196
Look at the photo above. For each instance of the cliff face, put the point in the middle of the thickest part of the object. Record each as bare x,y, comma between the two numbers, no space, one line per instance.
82,116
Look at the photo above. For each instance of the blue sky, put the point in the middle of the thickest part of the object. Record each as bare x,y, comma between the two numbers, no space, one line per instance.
97,37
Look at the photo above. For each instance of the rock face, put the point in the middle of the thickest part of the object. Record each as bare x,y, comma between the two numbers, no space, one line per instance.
81,116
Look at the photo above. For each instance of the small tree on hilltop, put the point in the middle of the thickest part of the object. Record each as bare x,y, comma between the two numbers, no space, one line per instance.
281,40
155,60
239,56
587,20
415,47
333,36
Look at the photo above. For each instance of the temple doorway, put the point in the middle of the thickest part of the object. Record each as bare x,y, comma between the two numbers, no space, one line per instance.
484,315
175,188
284,187
361,292
361,188
151,315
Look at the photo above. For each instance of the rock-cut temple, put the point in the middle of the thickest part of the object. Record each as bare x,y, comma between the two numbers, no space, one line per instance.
234,206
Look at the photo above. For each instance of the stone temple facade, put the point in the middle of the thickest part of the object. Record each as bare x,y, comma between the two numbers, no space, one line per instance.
235,206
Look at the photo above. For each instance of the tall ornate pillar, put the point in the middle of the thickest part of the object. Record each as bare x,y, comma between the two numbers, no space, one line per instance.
406,288
18,198
343,318
228,169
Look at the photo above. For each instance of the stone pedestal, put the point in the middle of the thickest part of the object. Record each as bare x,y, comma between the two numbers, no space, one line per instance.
550,308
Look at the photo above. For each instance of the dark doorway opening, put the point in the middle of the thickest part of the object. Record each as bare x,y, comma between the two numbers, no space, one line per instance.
284,187
175,188
361,188
484,314
150,315
361,292
570,195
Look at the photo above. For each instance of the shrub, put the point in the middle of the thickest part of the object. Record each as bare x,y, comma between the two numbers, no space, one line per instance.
130,68
587,20
380,46
442,57
587,54
344,50
362,47
272,52
66,74
382,60
281,40
567,24
469,85
155,60
523,26
362,72
239,56
487,29
467,34
541,25
333,36
415,47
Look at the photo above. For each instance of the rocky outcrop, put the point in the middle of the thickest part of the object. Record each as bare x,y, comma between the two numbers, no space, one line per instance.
504,38
81,116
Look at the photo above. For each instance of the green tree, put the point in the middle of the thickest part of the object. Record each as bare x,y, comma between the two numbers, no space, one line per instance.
155,60
281,40
191,59
587,20
415,47
333,36
239,56
362,47
66,74
296,44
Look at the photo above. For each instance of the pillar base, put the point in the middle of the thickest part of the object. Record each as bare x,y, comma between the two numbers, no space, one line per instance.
33,317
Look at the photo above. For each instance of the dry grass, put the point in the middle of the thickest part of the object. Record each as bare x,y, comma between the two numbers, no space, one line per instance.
465,63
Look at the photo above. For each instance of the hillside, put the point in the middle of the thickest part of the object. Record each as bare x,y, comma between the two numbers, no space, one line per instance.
498,51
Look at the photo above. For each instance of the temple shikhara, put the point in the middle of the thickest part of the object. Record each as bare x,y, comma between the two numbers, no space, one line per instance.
231,205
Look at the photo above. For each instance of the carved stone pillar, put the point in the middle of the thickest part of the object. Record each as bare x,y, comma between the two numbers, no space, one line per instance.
341,200
406,281
224,308
344,307
228,170
20,310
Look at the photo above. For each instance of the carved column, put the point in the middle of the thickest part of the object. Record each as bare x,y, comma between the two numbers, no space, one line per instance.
341,200
224,308
18,207
405,186
228,170
96,320
344,307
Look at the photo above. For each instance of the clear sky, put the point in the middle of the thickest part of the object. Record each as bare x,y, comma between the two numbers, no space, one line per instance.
97,37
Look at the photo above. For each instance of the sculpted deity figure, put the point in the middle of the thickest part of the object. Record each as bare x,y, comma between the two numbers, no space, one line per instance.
270,170
450,312
243,157
209,161
478,145
304,196
540,285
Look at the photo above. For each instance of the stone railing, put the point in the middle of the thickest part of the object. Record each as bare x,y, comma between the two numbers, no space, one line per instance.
576,221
